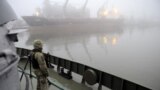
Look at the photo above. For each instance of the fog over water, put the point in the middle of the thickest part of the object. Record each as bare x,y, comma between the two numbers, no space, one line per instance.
128,47
132,54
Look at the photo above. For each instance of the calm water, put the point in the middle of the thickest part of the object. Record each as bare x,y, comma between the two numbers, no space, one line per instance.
130,53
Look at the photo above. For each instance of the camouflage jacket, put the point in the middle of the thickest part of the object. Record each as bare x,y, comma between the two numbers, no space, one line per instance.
42,64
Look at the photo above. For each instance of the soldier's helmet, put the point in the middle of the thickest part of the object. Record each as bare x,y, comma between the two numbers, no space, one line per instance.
37,44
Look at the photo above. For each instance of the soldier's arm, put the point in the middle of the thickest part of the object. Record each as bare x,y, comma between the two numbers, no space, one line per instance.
41,61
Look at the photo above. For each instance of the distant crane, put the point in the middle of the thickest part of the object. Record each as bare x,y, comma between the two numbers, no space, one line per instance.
84,6
65,6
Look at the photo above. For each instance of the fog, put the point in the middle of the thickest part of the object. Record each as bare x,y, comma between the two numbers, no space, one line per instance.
120,37
135,9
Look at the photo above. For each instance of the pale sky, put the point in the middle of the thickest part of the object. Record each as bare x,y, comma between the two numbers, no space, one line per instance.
129,8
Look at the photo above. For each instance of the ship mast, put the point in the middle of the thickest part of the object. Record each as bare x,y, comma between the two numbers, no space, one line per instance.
65,7
84,6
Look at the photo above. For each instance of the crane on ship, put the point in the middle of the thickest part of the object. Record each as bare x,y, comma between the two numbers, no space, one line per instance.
61,11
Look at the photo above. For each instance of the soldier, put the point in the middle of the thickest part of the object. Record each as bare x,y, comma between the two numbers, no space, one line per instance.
39,65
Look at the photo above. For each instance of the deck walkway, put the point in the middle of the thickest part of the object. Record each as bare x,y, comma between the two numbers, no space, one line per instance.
62,83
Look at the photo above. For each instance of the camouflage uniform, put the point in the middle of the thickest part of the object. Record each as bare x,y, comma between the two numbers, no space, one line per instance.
41,72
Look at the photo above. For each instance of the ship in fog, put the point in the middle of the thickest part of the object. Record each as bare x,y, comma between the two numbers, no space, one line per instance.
66,15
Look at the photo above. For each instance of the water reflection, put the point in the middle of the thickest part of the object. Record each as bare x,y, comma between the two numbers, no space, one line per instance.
86,49
108,39
129,53
67,50
65,38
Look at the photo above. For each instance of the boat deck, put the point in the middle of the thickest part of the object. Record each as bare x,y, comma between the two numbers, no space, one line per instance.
58,82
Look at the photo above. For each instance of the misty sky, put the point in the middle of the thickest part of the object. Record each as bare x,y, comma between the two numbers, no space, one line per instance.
129,8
